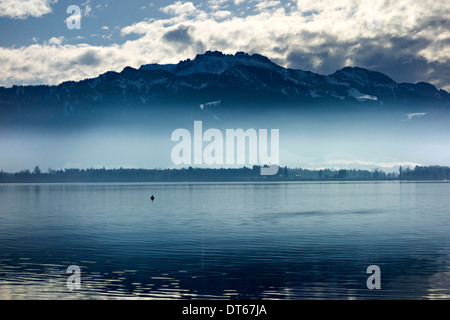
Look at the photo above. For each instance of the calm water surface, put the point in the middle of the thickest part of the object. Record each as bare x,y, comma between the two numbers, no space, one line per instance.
306,240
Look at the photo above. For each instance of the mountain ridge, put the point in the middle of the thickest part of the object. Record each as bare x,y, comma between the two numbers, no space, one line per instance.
237,79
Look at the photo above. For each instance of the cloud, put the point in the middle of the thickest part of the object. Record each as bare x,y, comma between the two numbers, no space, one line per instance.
222,14
181,38
86,9
412,42
180,34
179,8
265,4
50,63
25,8
56,40
216,5
89,58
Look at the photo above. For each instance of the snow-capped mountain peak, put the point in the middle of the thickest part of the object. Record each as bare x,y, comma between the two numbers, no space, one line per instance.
214,62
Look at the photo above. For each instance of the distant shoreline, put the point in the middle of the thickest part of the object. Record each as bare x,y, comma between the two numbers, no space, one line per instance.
245,174
216,182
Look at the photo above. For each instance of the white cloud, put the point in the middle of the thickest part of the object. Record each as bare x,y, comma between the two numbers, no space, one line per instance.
56,40
179,8
86,8
59,63
316,35
22,9
265,4
221,14
217,4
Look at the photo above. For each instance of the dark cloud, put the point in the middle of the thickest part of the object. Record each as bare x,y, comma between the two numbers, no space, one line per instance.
180,35
416,70
397,57
89,58
20,69
182,38
299,59
332,56
394,56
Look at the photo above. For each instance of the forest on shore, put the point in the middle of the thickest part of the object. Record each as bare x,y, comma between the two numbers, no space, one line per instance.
221,174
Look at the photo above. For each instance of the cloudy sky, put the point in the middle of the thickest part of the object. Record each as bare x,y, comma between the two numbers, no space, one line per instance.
407,39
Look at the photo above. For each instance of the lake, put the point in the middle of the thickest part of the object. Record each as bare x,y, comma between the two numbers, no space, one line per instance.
295,240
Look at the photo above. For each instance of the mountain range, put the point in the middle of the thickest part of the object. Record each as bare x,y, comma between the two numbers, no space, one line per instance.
233,80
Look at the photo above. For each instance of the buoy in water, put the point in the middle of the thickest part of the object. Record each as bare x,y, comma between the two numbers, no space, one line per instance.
152,197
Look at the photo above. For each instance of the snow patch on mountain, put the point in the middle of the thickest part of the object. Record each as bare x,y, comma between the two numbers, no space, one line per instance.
210,104
360,96
411,116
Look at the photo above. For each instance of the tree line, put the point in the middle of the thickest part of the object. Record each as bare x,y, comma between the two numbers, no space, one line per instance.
220,174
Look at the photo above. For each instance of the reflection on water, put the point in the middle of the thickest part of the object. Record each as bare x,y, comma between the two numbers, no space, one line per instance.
225,241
